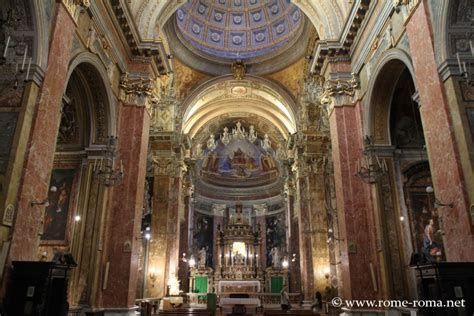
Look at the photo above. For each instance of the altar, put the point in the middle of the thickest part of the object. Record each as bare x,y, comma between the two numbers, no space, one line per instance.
230,286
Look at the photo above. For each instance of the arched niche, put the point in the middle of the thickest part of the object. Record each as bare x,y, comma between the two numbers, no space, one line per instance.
380,93
224,95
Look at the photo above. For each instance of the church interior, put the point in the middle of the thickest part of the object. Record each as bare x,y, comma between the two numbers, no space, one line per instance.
244,157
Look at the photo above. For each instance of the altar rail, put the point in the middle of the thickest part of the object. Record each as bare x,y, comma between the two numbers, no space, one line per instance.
270,298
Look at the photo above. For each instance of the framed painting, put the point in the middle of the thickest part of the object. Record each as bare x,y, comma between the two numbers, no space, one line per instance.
57,213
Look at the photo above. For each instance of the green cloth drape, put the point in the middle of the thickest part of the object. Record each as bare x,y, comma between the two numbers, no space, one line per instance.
200,284
276,284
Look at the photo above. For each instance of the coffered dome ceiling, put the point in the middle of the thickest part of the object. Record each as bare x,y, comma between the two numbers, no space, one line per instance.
208,35
239,29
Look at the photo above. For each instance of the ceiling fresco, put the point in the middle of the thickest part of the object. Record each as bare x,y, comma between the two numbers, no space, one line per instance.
239,29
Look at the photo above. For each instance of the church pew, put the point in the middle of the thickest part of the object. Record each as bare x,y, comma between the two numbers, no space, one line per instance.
289,312
182,312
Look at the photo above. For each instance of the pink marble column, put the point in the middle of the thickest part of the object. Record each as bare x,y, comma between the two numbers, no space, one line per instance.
356,225
295,273
445,165
125,209
25,235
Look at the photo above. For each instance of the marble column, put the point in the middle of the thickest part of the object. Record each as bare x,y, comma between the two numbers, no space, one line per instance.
295,273
260,220
442,146
184,239
304,220
164,245
125,205
319,229
25,235
356,225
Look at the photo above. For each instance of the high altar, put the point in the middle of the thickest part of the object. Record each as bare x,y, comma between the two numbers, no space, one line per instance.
238,267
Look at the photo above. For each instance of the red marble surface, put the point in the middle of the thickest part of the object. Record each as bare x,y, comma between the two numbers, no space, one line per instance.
356,224
440,139
295,273
125,209
42,145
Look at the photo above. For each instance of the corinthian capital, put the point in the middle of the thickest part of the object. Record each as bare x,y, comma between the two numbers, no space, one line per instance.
339,92
138,89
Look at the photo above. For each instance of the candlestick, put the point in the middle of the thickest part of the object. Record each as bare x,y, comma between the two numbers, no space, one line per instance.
24,58
121,166
459,62
6,47
28,70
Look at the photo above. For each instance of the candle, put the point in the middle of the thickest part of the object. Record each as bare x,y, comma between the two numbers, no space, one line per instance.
28,70
6,47
24,58
95,165
121,166
464,67
459,62
471,44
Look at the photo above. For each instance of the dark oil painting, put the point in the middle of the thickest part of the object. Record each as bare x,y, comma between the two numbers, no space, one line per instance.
57,213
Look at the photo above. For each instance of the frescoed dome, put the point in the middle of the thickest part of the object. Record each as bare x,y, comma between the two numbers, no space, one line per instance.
239,29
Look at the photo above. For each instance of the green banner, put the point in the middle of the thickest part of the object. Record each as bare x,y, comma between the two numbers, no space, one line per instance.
200,284
276,284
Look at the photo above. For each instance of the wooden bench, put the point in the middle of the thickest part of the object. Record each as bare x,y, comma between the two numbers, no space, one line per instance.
189,311
271,312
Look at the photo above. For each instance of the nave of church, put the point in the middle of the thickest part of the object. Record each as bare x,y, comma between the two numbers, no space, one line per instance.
244,157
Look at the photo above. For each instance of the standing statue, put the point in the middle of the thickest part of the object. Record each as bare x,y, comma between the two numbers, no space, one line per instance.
266,143
225,137
252,134
202,256
276,257
211,143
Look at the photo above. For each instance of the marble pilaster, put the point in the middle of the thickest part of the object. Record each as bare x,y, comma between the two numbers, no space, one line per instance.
25,235
442,147
358,258
125,209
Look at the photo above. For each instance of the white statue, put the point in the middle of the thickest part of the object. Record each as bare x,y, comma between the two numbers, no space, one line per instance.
238,258
202,256
276,257
238,131
225,137
266,143
211,143
252,134
198,151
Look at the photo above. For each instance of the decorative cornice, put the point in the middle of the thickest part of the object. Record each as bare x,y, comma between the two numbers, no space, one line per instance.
341,47
154,50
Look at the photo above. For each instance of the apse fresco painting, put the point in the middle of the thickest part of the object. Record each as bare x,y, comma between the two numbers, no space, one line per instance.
57,213
240,163
203,236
